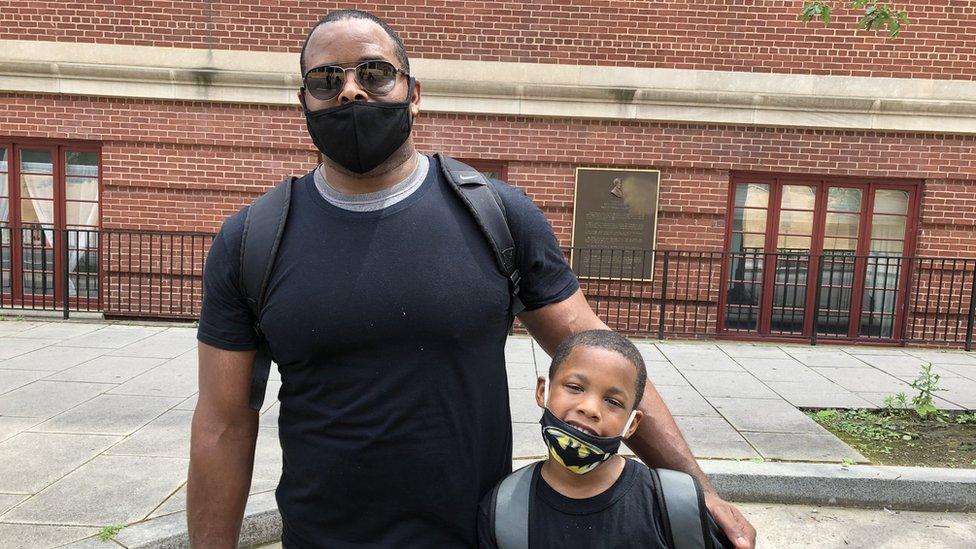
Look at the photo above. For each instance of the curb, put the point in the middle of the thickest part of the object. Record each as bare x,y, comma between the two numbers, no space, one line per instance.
871,486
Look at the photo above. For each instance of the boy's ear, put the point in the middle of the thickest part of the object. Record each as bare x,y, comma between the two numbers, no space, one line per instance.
540,391
638,416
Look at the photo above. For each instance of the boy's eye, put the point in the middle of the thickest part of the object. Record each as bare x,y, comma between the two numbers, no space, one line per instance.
574,388
616,403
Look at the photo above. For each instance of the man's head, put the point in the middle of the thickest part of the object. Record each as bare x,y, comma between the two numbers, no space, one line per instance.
596,379
346,39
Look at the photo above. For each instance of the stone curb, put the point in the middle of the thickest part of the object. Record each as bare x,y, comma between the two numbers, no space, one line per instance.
906,488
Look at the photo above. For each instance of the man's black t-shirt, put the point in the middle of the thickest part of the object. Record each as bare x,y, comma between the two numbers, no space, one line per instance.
625,516
389,330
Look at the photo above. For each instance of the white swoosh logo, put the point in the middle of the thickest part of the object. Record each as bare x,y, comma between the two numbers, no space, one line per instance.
468,177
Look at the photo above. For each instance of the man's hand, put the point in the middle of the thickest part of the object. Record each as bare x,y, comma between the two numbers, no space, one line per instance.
730,520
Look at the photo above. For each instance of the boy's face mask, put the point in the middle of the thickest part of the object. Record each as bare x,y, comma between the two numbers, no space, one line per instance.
573,449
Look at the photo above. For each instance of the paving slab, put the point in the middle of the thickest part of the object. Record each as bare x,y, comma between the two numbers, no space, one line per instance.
107,369
270,417
685,401
802,447
705,359
518,349
11,347
35,536
963,370
10,426
961,392
61,330
765,415
937,356
167,379
826,395
175,503
523,405
713,437
824,357
108,415
14,379
521,375
267,460
750,350
38,459
169,343
50,359
864,379
48,398
8,501
878,401
106,490
903,366
527,440
728,384
166,436
663,373
9,326
778,369
113,336
649,351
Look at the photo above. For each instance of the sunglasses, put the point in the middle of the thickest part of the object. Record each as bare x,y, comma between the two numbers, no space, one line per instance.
375,77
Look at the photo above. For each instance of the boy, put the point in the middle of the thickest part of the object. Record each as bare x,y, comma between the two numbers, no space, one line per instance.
584,494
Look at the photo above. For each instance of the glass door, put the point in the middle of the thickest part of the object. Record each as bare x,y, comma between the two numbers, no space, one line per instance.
37,219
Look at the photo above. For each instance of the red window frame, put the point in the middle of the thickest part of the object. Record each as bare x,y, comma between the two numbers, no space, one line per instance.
776,181
58,150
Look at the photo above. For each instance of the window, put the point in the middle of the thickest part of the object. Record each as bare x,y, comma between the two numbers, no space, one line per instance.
49,201
786,232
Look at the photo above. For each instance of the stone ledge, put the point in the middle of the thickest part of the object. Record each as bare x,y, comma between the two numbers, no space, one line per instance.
520,89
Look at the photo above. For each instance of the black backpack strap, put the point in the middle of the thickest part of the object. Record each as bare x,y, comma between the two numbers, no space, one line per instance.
683,508
264,224
510,509
489,213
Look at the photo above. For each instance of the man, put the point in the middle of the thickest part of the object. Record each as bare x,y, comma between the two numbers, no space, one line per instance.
387,316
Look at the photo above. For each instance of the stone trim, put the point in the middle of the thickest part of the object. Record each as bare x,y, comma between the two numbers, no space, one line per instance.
508,89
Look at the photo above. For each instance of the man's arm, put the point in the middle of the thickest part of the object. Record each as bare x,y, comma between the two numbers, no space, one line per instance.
657,441
222,440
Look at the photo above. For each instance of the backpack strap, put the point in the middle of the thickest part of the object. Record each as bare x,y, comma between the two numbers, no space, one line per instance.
264,224
683,509
510,508
489,213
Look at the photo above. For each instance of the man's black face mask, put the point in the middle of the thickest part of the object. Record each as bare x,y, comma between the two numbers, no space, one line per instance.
359,136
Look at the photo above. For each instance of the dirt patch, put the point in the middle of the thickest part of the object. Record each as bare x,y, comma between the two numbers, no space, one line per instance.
901,437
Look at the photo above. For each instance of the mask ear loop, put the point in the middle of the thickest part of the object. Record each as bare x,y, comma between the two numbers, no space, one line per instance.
627,425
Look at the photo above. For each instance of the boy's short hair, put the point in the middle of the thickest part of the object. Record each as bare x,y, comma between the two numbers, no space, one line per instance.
603,339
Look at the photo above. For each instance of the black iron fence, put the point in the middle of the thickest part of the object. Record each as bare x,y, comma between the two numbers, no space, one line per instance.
791,294
121,273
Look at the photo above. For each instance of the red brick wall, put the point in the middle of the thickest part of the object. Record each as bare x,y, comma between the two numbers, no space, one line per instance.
186,165
762,36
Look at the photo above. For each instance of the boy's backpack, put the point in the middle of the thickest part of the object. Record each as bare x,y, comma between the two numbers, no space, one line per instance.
679,496
264,224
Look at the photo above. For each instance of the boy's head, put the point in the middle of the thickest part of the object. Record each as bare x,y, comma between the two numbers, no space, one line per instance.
596,379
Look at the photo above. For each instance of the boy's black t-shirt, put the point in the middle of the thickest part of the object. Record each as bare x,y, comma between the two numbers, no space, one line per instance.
623,517
389,330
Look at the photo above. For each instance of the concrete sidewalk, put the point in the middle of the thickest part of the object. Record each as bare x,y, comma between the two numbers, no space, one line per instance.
94,416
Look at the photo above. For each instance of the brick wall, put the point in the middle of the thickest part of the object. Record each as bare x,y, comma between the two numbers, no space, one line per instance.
762,36
186,165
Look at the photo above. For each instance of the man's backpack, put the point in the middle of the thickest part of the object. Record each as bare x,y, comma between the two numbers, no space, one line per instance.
679,497
264,225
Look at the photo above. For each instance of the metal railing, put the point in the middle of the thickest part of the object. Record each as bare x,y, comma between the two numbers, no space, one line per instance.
120,273
664,293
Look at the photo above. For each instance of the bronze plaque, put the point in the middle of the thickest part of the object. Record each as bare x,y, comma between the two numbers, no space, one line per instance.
615,223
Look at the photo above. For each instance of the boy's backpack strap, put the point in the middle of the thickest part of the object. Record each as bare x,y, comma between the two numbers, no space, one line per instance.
489,213
683,509
511,509
264,224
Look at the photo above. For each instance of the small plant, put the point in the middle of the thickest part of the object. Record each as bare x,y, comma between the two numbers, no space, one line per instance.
877,15
757,460
109,532
894,402
926,384
965,419
848,461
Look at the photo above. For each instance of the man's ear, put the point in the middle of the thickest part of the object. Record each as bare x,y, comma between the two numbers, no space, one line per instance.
540,391
415,100
638,416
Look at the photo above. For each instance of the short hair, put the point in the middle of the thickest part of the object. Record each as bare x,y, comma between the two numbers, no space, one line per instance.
603,339
341,15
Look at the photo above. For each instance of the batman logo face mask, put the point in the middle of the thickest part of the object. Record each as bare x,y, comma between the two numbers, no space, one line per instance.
573,449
